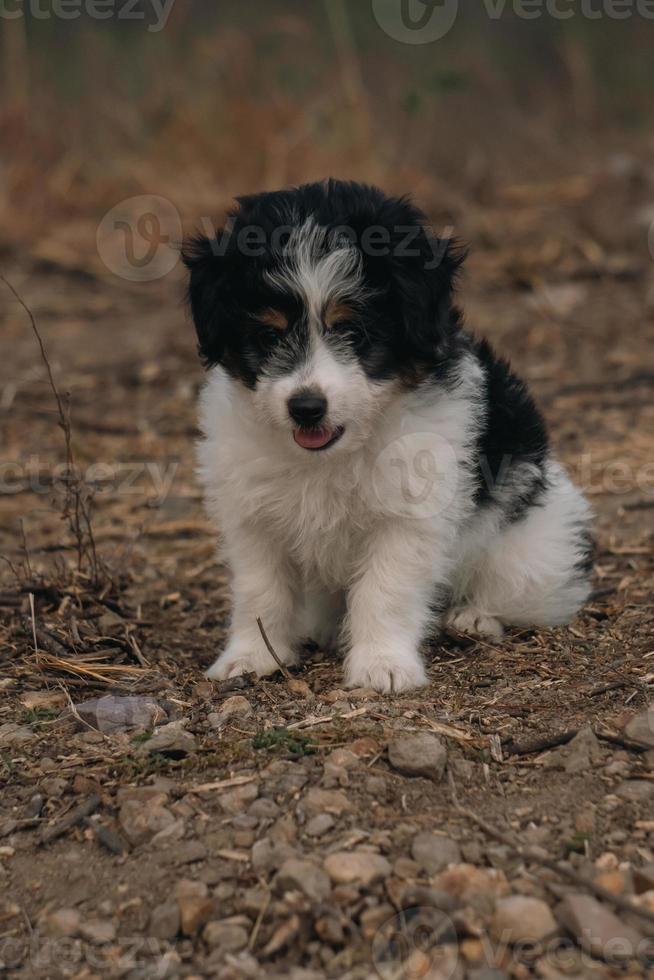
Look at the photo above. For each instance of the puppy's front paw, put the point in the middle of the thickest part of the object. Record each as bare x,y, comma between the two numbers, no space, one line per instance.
386,671
243,659
467,619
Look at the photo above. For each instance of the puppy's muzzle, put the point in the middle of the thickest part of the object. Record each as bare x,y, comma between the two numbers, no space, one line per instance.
307,409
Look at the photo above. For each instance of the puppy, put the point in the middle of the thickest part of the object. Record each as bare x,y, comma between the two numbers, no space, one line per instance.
374,470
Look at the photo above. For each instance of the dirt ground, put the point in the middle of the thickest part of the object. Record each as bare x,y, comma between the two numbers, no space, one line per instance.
313,850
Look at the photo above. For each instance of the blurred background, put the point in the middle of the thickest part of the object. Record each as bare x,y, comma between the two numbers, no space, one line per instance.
198,102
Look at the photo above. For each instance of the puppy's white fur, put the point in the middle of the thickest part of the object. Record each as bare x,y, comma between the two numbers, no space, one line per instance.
361,529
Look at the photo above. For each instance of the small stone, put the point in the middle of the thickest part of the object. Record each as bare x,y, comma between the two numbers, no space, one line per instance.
170,740
330,697
188,886
330,930
318,801
12,734
264,809
597,930
365,747
53,787
362,867
235,707
64,922
194,912
319,825
619,767
607,861
150,795
203,690
165,921
421,754
139,821
404,867
363,694
635,790
439,963
433,852
109,621
519,918
343,758
114,713
98,931
268,856
237,799
229,937
244,838
641,727
297,686
644,879
472,950
298,874
35,700
579,755
465,882
617,882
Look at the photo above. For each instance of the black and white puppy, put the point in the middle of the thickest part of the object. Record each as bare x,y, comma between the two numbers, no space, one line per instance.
374,470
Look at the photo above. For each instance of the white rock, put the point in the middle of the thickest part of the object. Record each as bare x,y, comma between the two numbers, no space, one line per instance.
229,937
434,852
64,922
521,918
298,874
422,754
360,867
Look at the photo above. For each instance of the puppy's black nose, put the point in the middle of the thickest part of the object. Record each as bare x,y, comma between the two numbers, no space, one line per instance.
307,409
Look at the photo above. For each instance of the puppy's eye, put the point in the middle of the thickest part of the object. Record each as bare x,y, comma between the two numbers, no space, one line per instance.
267,338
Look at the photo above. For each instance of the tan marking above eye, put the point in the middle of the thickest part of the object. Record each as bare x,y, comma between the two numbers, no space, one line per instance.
336,313
273,318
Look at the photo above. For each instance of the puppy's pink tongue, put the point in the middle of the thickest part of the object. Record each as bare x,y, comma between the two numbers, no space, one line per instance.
312,438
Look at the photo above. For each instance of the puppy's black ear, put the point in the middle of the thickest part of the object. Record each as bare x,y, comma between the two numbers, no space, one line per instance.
201,256
424,272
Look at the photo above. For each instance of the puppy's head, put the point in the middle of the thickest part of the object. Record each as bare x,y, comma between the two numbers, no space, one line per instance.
322,301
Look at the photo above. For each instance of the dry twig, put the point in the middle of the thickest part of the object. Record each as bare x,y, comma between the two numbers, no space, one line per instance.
75,509
271,650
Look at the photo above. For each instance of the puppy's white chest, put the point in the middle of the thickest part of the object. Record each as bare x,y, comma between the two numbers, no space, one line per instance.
323,522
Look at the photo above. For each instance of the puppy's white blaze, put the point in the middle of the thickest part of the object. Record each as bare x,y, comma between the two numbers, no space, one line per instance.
318,278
